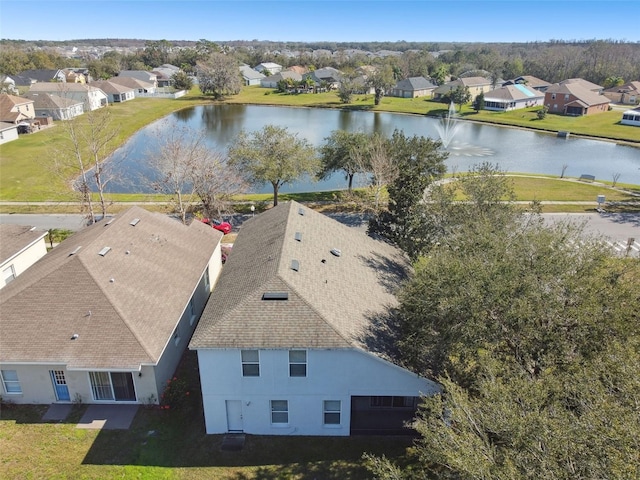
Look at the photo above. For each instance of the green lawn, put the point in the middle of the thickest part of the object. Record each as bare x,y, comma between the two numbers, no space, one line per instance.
165,444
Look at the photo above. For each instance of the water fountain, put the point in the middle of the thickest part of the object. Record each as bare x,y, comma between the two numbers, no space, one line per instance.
448,126
447,129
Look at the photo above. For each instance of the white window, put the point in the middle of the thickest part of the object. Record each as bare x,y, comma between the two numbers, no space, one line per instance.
297,363
101,385
8,275
279,412
250,363
331,412
553,96
393,402
207,281
10,381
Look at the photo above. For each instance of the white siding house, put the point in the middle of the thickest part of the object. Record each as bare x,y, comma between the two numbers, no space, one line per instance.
270,67
250,76
20,247
8,132
286,345
54,106
91,97
512,97
338,390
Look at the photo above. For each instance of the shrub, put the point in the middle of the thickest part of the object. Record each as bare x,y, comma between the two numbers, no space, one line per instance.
175,394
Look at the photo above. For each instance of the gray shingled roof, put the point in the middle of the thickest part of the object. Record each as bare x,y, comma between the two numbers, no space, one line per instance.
513,92
415,83
44,100
110,87
124,305
331,299
15,238
131,82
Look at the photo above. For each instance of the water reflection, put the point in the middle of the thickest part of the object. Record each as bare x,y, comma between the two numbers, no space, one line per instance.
513,149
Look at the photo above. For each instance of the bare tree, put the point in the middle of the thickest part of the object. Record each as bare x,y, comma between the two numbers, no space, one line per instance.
564,169
172,164
81,156
616,177
377,160
215,182
70,163
99,136
189,170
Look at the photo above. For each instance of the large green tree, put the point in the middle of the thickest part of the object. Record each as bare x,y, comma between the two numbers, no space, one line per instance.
381,80
532,332
419,161
459,95
340,153
156,53
182,81
273,155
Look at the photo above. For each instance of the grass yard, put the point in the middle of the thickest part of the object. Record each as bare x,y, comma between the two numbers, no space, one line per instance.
569,193
165,444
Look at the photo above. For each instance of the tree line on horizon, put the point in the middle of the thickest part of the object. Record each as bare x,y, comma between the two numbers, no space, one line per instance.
604,62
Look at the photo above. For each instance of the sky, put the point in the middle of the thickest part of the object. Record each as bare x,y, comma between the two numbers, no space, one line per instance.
324,20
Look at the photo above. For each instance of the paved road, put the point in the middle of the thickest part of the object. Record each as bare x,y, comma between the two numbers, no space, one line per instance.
45,221
617,227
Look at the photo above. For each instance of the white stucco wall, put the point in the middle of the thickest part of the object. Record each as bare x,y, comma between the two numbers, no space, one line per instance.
331,375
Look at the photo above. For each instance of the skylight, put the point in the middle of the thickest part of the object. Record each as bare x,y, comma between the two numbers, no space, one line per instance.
275,296
104,251
134,222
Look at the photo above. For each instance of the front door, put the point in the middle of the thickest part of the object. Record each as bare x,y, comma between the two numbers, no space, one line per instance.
234,415
60,385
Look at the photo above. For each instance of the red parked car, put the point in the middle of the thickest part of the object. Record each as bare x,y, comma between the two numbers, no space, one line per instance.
224,227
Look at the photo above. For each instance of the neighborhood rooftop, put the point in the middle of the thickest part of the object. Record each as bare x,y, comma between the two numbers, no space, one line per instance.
94,302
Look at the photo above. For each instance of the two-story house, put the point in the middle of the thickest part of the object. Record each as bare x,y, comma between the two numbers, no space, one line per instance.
575,97
14,109
288,342
475,85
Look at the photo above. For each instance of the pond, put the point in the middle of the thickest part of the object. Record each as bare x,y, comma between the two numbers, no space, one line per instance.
514,150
